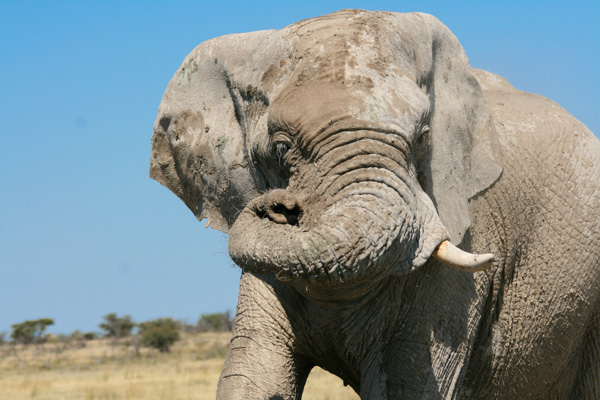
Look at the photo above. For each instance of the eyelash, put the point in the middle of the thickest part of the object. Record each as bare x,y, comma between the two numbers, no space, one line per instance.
281,146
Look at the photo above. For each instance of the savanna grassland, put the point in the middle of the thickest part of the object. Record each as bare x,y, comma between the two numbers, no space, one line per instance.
122,369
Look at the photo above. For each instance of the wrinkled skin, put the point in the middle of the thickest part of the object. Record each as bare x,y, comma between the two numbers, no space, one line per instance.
338,153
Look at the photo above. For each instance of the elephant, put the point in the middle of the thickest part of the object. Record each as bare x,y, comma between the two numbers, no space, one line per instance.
415,226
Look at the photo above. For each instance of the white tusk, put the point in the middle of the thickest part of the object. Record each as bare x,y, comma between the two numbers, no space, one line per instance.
454,257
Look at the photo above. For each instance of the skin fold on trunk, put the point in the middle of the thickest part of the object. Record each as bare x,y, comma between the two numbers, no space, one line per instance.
370,221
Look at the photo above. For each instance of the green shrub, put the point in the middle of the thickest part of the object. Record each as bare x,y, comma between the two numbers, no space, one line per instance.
78,335
30,331
160,333
117,327
90,335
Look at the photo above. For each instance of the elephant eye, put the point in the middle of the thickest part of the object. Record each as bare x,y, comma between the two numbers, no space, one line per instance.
421,145
280,149
281,145
423,133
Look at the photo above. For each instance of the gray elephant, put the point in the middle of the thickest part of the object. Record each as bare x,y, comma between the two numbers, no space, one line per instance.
365,172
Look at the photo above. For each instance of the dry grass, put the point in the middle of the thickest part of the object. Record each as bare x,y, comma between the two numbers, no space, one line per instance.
105,369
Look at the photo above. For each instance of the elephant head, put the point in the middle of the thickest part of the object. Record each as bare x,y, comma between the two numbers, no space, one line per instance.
338,148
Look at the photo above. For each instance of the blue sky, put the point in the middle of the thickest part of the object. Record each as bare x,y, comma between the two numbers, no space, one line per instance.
85,232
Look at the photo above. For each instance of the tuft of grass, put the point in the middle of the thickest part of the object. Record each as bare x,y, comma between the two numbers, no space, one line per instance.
109,369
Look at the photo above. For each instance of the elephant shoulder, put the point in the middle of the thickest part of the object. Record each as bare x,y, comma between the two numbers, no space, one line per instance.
547,149
492,82
531,125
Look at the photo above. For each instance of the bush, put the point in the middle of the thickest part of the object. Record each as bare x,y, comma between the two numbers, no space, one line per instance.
81,336
75,335
160,333
117,327
219,322
30,331
90,335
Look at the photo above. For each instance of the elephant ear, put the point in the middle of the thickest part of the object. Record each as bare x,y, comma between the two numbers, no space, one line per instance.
464,157
211,106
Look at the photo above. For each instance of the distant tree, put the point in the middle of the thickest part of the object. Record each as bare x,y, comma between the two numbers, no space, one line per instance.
217,322
117,327
160,333
30,331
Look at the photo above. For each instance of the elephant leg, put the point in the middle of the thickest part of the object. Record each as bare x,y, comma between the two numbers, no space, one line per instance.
587,386
260,363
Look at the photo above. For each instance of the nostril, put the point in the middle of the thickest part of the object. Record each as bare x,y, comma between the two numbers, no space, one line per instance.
281,214
283,208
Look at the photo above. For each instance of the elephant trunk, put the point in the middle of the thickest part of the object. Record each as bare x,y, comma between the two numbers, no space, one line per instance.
368,219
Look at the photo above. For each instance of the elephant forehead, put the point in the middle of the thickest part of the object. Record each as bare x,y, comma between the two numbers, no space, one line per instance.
344,47
311,108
